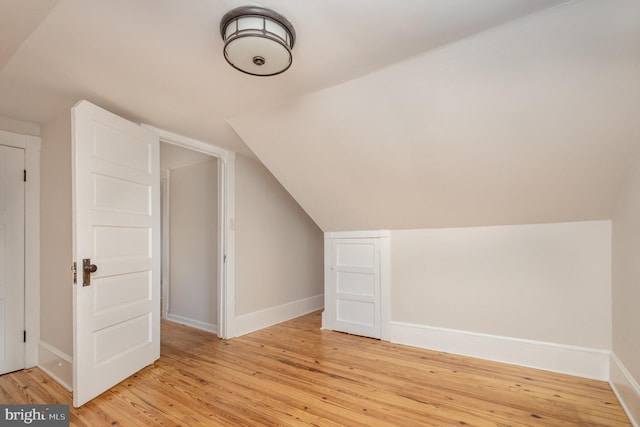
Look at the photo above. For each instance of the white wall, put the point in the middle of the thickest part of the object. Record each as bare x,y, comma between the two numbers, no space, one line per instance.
56,316
279,249
174,156
193,219
18,126
546,282
526,123
546,286
625,367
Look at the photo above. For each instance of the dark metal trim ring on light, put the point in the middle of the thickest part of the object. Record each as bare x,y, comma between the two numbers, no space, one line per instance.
257,41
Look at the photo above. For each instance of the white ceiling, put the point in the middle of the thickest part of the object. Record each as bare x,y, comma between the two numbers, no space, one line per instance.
395,114
160,61
18,18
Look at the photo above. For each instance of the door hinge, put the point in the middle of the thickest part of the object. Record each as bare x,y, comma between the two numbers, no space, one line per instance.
24,336
74,268
24,175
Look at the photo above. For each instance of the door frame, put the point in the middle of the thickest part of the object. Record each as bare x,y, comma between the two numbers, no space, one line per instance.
165,237
31,146
226,224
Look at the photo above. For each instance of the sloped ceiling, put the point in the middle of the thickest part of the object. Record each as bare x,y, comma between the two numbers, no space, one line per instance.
160,61
530,122
395,114
18,19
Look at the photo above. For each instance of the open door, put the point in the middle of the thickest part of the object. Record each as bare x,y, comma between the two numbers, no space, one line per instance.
116,248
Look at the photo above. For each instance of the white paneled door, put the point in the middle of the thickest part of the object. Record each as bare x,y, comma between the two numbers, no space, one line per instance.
117,250
12,192
352,294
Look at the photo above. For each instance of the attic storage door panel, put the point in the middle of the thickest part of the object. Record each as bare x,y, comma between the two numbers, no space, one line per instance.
353,294
116,224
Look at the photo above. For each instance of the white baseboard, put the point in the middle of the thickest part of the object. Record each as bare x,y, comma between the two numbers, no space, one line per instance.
198,324
626,389
251,322
325,319
578,361
57,364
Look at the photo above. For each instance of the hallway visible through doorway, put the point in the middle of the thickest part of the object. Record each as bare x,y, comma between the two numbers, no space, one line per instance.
190,237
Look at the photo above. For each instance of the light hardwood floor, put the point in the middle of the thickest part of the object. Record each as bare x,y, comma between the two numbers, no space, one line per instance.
296,374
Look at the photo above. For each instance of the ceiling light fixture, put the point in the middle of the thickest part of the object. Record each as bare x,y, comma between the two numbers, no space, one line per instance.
257,41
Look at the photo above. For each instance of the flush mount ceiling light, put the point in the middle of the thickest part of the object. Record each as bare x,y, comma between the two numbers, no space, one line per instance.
257,41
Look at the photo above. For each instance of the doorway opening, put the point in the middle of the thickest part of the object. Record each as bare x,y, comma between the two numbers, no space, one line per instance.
190,243
221,163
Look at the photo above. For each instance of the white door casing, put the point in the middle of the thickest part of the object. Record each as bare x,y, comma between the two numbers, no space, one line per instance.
116,224
165,243
356,283
226,224
12,250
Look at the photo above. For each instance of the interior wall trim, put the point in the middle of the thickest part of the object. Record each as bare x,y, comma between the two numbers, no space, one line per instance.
567,359
251,322
57,364
165,184
198,324
626,389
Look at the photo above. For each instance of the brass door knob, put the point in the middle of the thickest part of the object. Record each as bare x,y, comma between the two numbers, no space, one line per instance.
87,269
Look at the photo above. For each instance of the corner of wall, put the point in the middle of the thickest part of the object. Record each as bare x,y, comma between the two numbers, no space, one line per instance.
56,321
625,388
56,364
193,323
257,320
625,359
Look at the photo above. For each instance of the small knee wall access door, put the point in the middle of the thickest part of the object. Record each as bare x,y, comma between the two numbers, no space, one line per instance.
355,280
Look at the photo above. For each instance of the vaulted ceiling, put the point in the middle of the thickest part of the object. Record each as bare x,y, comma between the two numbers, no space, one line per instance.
395,114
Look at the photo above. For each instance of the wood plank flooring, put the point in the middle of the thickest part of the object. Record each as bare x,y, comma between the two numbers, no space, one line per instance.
296,374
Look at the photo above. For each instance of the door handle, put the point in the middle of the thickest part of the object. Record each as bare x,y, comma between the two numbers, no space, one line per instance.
87,269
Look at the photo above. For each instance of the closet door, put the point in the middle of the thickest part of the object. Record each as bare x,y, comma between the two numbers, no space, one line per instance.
352,289
12,192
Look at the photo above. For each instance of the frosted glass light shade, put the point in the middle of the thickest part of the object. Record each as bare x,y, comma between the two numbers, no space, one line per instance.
257,41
